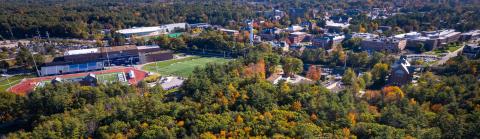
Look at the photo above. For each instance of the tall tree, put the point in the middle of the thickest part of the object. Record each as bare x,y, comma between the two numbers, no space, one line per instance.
292,66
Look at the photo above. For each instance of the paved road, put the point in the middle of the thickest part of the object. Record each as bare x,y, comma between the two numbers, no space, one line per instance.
448,56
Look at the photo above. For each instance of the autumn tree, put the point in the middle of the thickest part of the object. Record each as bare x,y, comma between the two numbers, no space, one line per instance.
297,106
314,73
392,93
257,69
379,74
162,41
292,66
349,77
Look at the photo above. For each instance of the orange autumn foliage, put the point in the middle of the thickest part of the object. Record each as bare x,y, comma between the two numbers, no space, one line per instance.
392,93
352,117
223,133
346,133
313,117
180,123
436,107
314,73
412,101
296,106
372,94
257,69
373,110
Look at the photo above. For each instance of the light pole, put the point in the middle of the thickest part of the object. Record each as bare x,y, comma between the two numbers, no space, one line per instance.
35,64
156,66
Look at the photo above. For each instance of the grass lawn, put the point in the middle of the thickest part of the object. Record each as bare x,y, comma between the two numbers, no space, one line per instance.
451,49
181,67
5,84
448,48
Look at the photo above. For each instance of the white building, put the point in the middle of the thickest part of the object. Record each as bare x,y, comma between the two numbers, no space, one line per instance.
364,36
336,27
81,51
294,28
152,31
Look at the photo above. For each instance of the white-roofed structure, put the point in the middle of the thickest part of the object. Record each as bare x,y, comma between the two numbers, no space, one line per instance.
430,39
336,27
229,31
410,35
81,51
364,36
152,31
139,30
294,28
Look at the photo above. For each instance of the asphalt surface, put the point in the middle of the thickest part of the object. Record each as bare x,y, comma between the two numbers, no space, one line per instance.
448,56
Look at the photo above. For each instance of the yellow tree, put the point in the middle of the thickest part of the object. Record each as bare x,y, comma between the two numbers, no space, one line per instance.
392,93
352,117
297,106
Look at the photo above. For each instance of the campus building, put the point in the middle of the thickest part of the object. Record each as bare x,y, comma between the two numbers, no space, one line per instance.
270,34
151,31
98,58
430,39
298,37
327,41
471,51
294,28
337,27
401,73
471,35
230,32
363,36
383,44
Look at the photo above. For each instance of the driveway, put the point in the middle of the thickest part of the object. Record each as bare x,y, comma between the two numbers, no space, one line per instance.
448,56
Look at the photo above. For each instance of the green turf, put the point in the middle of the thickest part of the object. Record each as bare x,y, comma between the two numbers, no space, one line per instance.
5,84
181,67
108,77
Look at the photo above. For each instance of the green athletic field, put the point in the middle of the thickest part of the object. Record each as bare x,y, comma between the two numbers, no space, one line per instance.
181,67
5,84
111,77
101,78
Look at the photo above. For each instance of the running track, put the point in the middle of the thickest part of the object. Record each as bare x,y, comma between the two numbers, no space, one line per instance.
27,85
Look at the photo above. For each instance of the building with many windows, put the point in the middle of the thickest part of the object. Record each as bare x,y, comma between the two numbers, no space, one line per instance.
430,40
90,59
